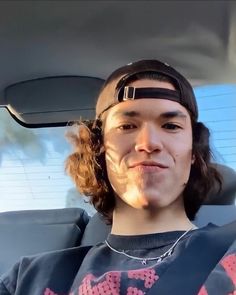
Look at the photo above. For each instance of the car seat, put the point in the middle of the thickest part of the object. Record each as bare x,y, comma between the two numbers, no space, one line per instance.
29,232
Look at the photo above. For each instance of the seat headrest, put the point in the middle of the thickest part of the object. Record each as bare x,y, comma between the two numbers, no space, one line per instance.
227,194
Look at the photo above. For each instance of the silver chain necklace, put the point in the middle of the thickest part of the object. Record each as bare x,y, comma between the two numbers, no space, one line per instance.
145,260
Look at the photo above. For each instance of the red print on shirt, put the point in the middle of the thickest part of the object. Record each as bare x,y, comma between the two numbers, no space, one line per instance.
49,292
147,275
109,284
203,291
229,264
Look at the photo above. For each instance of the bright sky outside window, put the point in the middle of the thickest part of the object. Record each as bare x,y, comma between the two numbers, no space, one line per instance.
217,108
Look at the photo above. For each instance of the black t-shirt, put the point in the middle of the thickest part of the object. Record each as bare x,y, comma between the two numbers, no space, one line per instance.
104,270
99,270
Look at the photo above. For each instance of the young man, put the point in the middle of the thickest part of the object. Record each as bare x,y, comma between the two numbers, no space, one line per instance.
145,164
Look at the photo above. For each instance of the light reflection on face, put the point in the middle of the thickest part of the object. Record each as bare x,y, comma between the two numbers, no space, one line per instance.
148,149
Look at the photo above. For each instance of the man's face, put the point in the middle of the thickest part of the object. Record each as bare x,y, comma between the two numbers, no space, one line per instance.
148,150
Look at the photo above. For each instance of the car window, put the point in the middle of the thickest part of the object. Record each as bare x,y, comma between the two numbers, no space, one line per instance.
217,109
32,160
32,168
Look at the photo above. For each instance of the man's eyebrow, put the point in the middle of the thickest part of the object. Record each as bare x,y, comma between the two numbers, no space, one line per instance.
127,113
173,114
165,115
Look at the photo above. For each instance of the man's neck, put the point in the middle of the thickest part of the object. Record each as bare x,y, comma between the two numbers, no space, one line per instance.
142,221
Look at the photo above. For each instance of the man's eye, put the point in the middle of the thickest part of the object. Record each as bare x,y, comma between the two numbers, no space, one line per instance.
171,126
126,126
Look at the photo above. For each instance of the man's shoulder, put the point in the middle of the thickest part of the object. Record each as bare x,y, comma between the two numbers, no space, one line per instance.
214,236
227,229
52,257
58,254
49,263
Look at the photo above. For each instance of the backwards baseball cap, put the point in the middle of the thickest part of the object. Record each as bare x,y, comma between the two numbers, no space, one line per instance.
116,88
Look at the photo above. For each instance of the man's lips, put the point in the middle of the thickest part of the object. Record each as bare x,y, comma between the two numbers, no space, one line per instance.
146,164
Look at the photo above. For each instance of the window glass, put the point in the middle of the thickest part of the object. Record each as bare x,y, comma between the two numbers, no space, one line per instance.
32,172
217,108
32,168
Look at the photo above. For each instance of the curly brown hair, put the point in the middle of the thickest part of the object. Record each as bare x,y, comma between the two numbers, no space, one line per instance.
87,166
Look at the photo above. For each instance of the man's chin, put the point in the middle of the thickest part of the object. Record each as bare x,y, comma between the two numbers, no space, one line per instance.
152,200
147,202
142,199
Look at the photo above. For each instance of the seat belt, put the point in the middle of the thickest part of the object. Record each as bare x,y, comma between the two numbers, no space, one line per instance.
186,275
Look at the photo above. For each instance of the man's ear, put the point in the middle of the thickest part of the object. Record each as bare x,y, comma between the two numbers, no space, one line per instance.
193,159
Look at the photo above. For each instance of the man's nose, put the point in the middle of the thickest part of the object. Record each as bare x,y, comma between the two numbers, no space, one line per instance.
149,139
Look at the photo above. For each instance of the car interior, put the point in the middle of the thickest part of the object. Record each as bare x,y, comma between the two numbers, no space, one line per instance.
55,56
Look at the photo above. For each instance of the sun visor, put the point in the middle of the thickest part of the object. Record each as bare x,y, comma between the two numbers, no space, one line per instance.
53,100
